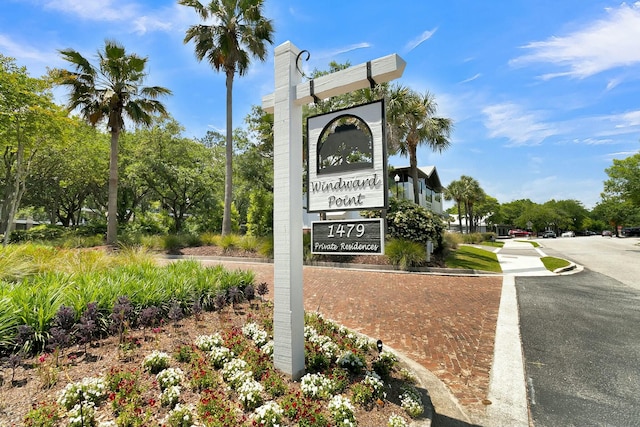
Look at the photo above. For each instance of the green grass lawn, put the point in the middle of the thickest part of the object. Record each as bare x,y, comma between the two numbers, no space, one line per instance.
473,258
552,263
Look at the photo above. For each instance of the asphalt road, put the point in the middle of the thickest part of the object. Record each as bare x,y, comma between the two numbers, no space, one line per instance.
618,258
580,335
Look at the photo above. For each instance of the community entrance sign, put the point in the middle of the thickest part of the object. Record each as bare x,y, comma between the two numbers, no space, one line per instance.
286,105
347,159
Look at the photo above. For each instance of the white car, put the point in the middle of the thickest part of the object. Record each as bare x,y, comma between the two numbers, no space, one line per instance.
568,234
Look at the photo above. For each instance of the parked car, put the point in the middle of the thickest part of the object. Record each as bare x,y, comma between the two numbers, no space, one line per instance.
519,233
607,233
549,235
568,234
631,231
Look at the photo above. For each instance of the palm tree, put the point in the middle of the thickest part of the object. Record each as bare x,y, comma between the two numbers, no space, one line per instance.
238,33
111,91
472,193
412,123
455,192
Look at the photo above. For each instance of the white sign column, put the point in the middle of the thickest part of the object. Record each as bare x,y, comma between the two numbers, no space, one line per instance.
288,314
286,105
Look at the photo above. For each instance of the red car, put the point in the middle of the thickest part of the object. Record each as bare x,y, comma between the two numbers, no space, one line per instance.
519,233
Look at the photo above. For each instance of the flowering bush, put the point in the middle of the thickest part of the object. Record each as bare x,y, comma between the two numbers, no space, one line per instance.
156,361
342,411
235,372
384,364
253,331
273,383
267,348
209,342
89,390
396,421
359,341
348,360
180,416
170,396
326,344
42,415
82,414
250,394
169,377
370,388
268,415
411,402
317,386
219,356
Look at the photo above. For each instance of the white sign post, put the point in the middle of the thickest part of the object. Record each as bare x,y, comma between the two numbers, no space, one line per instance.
286,105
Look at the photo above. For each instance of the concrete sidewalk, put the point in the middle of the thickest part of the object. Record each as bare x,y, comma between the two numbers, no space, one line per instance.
521,258
507,384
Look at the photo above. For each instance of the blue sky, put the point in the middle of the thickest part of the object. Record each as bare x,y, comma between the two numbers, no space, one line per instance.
543,93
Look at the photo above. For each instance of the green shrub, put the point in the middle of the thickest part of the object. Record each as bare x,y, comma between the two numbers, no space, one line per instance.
230,241
249,243
408,221
405,253
266,247
210,239
452,240
472,238
172,242
44,232
192,240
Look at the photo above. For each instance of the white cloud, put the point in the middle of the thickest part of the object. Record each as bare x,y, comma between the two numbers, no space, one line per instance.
418,40
29,56
95,10
631,118
470,79
507,120
141,20
605,44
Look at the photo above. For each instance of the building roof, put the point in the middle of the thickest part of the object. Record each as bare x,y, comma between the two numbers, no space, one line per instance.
429,173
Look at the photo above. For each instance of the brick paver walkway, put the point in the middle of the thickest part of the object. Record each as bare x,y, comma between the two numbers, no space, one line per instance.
445,323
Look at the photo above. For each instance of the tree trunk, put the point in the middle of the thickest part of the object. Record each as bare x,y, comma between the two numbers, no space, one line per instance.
228,175
14,191
459,215
413,163
112,204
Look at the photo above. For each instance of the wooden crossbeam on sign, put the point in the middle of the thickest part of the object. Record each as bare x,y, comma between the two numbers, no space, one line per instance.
379,70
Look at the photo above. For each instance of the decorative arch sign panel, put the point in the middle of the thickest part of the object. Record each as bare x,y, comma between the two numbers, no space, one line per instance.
347,159
347,171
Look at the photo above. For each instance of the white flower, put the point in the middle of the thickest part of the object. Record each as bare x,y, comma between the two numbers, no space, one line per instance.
374,381
411,402
342,411
267,348
269,414
253,331
219,356
156,361
235,372
170,396
87,390
249,393
169,377
209,342
317,386
349,360
82,414
396,421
